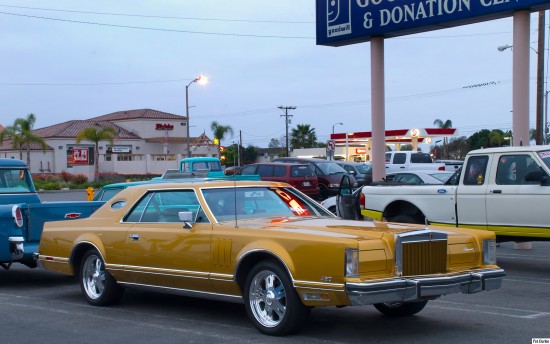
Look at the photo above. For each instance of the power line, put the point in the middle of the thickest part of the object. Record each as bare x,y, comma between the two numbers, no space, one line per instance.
153,28
159,17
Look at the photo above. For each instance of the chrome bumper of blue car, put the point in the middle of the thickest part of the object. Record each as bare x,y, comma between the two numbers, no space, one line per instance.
417,288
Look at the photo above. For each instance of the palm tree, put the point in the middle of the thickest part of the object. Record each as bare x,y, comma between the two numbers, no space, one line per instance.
21,136
220,131
95,135
496,137
27,137
303,136
444,125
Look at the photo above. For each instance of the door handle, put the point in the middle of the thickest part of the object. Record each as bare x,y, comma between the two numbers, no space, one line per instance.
497,191
134,236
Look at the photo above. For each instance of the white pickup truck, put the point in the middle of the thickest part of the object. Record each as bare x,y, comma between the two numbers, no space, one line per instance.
505,190
397,161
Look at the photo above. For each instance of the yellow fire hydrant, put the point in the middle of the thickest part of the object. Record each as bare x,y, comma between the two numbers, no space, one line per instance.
90,193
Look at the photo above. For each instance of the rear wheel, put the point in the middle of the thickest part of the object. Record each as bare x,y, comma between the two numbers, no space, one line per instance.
400,309
323,192
271,301
98,286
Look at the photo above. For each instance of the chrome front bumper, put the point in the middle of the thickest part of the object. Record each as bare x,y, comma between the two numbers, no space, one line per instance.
417,288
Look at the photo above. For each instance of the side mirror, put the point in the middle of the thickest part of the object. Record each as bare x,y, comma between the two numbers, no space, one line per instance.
186,217
533,176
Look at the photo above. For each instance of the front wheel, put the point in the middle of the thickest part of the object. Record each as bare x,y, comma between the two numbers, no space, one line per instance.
98,286
271,302
400,309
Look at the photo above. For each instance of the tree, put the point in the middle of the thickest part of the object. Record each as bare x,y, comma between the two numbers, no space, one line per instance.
496,138
479,139
444,125
274,143
303,136
219,132
457,148
249,155
95,135
21,136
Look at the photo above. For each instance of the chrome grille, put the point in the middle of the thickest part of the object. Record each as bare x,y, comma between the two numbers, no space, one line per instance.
421,252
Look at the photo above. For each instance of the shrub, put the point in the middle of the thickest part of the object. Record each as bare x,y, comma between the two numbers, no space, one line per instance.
79,179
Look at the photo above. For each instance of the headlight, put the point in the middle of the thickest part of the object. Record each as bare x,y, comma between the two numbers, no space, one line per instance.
489,252
352,262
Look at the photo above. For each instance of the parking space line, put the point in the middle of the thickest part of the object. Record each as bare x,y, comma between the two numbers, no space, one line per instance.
492,310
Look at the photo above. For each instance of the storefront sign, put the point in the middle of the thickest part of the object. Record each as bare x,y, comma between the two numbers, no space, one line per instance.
120,149
80,156
360,151
341,22
161,126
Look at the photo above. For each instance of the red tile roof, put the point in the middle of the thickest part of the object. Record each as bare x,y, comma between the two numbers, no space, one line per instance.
70,129
137,114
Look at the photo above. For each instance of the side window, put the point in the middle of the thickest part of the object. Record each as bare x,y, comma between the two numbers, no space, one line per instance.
512,169
249,170
399,158
265,170
475,170
279,171
164,206
185,167
348,168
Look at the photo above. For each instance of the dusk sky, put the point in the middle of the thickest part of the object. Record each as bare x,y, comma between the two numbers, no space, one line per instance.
65,60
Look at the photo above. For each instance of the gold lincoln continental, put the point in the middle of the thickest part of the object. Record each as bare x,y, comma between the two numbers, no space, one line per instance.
265,244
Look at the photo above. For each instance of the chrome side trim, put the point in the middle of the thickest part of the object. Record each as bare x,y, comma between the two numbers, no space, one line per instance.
416,288
53,259
166,272
319,285
187,292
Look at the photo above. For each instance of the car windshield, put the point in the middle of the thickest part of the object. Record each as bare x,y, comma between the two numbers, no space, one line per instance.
330,167
442,176
545,156
255,202
301,171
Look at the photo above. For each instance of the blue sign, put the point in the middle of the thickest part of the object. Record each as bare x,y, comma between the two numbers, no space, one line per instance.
341,22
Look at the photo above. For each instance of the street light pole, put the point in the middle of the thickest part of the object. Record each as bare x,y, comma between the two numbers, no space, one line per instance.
339,123
202,80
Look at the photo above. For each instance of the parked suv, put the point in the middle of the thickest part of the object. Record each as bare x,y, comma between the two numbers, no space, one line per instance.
362,171
329,174
301,176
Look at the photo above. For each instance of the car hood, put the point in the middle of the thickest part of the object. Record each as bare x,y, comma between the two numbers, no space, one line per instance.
358,230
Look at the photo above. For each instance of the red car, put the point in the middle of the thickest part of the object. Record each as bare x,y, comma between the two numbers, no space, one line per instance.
301,176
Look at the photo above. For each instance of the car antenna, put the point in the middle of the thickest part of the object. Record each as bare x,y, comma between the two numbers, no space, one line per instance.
235,201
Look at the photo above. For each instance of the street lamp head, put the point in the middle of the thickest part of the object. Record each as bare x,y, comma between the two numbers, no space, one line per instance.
201,79
504,47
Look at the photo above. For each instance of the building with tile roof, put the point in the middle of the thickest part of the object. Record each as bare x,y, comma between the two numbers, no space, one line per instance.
147,141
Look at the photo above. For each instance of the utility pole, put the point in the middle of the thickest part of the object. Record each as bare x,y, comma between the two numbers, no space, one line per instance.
287,122
540,126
